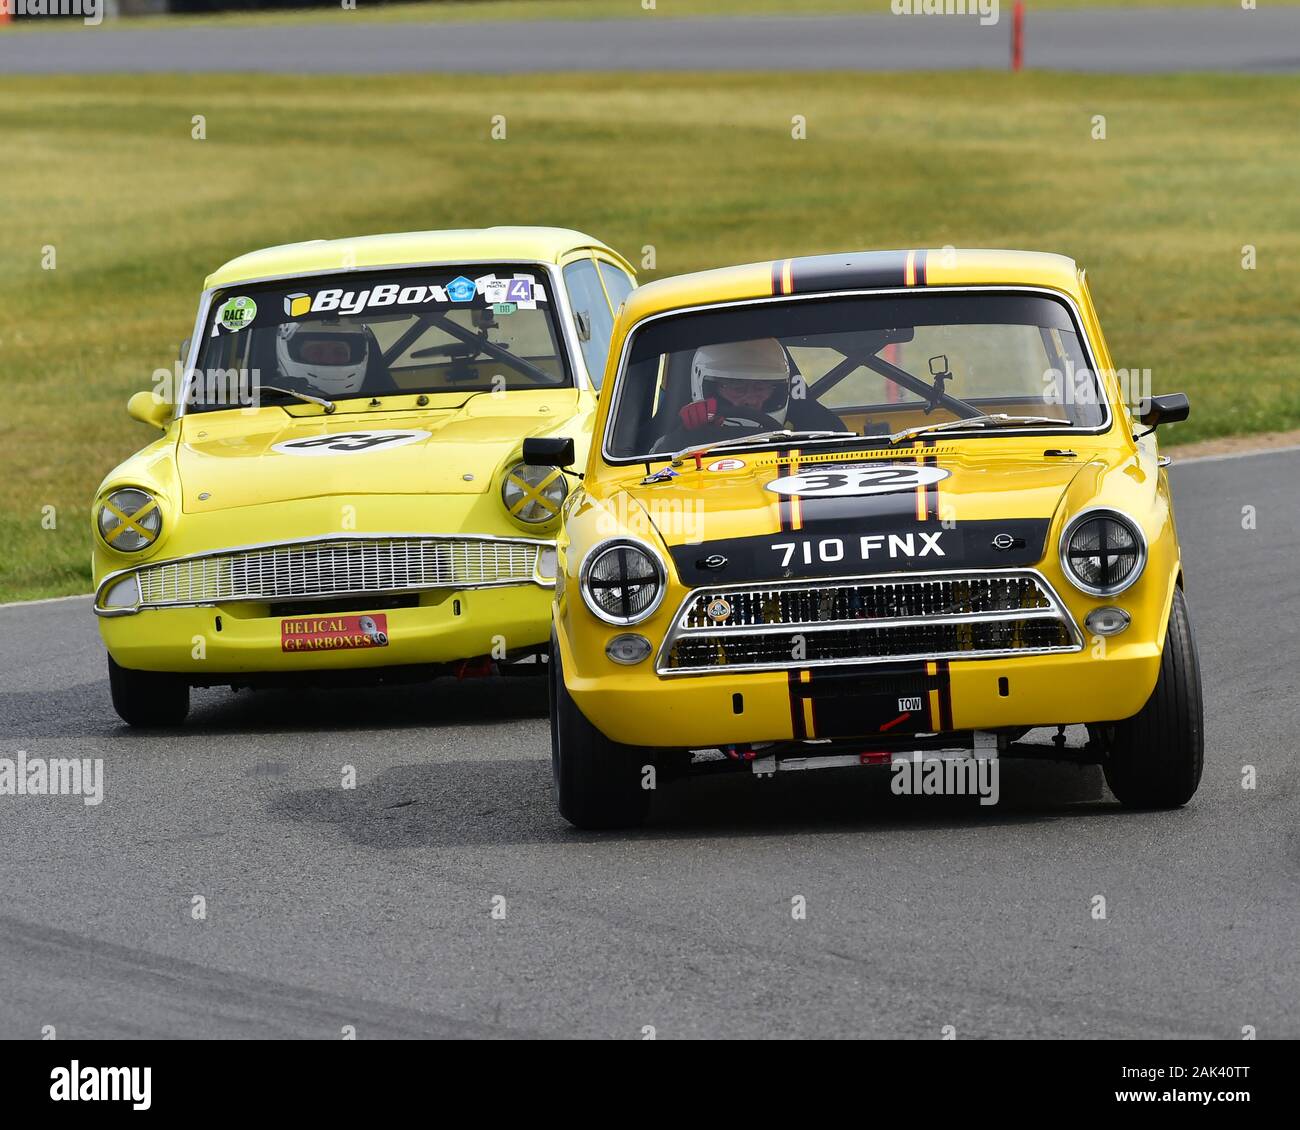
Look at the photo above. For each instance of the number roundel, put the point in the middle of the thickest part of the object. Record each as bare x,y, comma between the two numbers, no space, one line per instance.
881,478
349,443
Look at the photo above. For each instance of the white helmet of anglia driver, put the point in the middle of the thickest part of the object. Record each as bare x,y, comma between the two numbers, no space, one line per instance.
328,357
761,360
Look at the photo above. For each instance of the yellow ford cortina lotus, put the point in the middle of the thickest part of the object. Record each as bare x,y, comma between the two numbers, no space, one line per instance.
855,509
339,491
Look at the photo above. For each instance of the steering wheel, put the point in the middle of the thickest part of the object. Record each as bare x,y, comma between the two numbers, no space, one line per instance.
759,422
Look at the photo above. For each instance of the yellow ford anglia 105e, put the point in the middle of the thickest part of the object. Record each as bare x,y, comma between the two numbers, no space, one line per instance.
852,509
339,490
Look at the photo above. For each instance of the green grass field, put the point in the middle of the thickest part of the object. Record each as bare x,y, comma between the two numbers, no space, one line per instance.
470,11
702,167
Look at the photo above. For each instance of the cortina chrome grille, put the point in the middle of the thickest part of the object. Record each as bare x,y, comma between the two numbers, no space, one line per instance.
867,620
338,567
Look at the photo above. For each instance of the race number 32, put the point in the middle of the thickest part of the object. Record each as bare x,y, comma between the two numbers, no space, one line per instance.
882,478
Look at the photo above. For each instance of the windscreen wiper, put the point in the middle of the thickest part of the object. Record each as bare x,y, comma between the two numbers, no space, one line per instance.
984,420
784,436
306,397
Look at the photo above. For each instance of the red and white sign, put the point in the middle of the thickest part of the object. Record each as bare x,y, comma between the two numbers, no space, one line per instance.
333,633
727,465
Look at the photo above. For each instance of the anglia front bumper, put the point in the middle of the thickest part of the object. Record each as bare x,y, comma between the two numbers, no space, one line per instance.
445,626
327,603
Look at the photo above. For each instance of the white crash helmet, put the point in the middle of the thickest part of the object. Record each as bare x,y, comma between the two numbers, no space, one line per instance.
762,360
327,356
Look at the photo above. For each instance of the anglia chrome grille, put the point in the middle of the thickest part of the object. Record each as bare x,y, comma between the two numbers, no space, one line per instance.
338,567
867,620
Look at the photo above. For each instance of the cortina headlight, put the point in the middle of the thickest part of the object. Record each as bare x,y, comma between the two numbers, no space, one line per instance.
534,494
129,520
1103,552
622,582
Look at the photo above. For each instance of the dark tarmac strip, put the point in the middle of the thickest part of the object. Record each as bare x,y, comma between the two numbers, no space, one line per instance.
327,907
1120,41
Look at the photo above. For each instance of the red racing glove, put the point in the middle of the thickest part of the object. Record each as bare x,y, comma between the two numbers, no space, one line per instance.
699,413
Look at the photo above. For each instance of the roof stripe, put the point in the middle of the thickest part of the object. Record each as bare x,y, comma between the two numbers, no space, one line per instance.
861,270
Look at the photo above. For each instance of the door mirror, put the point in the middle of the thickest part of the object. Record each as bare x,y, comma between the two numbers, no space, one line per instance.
549,451
148,409
1167,409
183,354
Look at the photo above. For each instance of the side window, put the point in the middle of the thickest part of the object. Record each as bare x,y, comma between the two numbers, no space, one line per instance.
595,319
617,285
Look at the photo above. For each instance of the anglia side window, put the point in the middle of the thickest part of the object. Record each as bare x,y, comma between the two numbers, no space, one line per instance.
591,308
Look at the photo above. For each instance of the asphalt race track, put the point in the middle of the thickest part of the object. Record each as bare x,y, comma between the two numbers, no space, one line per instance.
373,907
1107,40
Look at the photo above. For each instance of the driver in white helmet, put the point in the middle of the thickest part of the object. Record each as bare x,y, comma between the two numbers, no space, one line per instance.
742,388
329,358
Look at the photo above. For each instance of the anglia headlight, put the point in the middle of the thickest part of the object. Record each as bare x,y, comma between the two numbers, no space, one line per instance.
129,520
622,582
1103,552
534,494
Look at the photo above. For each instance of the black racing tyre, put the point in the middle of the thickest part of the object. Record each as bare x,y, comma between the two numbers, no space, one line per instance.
1155,757
148,698
597,781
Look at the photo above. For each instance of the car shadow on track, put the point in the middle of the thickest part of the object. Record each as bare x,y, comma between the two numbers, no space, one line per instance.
476,803
87,710
69,712
439,703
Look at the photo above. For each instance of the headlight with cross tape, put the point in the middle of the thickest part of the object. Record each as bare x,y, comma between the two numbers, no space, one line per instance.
129,520
532,494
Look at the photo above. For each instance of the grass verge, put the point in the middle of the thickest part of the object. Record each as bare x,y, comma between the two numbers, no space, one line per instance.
702,167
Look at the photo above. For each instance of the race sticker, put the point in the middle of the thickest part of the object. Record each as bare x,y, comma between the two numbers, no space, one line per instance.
727,465
333,633
461,289
522,291
237,314
349,443
504,307
508,290
882,478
